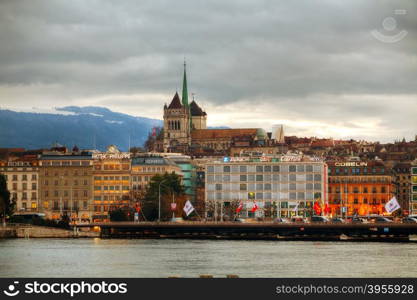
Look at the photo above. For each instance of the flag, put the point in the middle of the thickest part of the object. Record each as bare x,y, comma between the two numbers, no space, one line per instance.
254,208
327,209
188,208
296,207
392,205
173,206
317,208
137,207
239,208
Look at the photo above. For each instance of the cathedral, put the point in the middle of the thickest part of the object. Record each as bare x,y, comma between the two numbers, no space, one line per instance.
185,130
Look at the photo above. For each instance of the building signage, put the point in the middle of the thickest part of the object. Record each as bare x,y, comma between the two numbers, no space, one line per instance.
351,164
111,155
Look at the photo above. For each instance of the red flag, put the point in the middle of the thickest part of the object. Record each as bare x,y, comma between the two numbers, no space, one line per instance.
239,208
317,208
254,208
327,209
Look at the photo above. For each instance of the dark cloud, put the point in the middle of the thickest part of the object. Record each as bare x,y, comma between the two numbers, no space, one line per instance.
312,60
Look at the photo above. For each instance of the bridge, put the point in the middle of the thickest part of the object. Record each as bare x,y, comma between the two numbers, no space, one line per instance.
389,232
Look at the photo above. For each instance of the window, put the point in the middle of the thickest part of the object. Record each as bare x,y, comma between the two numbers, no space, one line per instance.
243,187
275,168
383,190
218,186
97,188
259,178
33,176
244,169
309,168
85,193
56,193
267,168
226,169
85,205
259,169
292,168
210,169
243,178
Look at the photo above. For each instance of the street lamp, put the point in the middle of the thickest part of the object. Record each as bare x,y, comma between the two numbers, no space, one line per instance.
159,201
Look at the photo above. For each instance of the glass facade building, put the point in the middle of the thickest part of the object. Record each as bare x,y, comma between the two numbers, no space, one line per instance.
277,188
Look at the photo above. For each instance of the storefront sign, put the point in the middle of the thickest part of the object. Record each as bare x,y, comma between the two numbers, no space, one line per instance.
111,155
351,164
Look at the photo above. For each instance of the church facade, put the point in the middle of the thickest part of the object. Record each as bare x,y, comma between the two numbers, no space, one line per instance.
185,130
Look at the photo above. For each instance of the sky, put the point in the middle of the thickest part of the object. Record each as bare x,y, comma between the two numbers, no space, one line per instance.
335,68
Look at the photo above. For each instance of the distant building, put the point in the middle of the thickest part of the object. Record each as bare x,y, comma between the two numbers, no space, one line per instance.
65,185
144,167
359,188
413,198
22,182
279,186
402,177
111,183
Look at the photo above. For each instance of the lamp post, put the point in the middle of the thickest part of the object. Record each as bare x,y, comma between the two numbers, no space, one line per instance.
159,200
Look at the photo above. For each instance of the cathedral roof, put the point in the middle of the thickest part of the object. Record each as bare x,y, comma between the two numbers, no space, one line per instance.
176,102
196,110
205,134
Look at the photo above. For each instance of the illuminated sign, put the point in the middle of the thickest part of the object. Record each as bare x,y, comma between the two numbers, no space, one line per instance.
351,164
111,155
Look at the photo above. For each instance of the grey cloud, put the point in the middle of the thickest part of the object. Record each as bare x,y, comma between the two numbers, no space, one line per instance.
312,58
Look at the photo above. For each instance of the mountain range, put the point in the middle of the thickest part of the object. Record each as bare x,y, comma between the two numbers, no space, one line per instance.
87,127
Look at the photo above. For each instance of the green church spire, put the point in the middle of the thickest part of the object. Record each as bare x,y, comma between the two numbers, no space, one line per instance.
184,89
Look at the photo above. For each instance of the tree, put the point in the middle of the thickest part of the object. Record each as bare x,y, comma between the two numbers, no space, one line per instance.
118,215
7,205
170,185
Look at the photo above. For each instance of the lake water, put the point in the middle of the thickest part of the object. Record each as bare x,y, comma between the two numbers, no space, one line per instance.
190,258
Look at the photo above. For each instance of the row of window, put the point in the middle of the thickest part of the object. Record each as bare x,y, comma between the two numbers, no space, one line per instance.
367,179
125,178
283,168
264,186
111,187
23,177
65,193
109,198
67,173
110,167
66,205
357,171
75,182
263,196
24,186
60,163
24,195
373,201
357,190
264,177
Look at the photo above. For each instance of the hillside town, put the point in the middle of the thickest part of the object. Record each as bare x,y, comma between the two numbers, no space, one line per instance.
256,172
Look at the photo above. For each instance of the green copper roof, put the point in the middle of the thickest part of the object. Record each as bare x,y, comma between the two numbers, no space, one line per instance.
184,89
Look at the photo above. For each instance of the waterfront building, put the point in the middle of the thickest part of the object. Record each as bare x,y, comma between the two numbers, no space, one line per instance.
111,182
189,174
402,180
413,197
144,167
283,186
22,181
65,185
359,187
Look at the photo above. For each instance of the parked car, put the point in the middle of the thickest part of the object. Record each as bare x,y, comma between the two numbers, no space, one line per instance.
282,220
338,220
382,220
319,219
298,219
357,220
409,220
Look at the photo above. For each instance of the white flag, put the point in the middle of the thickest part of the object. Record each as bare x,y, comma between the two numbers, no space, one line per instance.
392,205
296,207
188,208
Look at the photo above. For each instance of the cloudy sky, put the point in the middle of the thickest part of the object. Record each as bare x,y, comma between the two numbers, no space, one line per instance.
342,69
